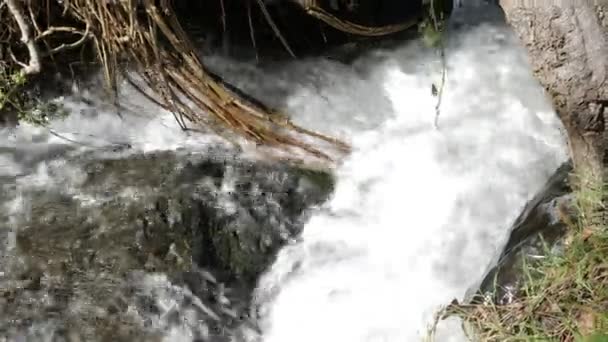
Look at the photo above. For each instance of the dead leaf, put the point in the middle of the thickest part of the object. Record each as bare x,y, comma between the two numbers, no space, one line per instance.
586,321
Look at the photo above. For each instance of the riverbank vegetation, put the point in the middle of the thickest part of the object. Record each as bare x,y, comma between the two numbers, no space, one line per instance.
564,295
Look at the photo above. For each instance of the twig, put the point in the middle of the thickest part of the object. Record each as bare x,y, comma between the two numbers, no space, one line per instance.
63,137
443,66
441,86
314,9
274,27
34,66
223,9
73,45
52,30
252,32
37,28
15,60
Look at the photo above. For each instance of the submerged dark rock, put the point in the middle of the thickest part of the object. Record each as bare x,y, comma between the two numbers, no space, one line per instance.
538,230
130,248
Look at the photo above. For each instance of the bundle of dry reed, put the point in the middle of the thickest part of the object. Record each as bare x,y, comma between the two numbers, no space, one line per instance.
145,36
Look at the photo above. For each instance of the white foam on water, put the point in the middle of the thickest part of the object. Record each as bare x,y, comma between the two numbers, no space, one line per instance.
418,213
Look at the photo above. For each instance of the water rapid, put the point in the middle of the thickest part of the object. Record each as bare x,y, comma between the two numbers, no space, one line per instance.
418,211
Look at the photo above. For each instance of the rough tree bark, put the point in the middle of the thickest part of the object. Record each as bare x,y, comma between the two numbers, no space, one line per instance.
568,50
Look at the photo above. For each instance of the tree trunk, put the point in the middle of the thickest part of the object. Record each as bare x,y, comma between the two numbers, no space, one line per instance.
568,50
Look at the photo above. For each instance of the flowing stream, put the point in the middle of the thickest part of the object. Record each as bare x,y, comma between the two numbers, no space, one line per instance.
418,212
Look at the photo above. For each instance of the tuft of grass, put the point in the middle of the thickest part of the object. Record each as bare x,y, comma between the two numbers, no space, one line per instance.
564,296
13,99
11,83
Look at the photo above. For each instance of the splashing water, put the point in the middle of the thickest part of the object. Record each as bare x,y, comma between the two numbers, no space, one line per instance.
418,213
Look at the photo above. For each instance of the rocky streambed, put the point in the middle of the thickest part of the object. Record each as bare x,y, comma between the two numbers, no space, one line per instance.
139,247
146,246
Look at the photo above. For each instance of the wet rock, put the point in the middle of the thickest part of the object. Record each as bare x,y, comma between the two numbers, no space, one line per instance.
539,230
137,247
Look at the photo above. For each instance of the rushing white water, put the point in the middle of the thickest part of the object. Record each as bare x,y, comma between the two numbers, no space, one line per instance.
418,212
